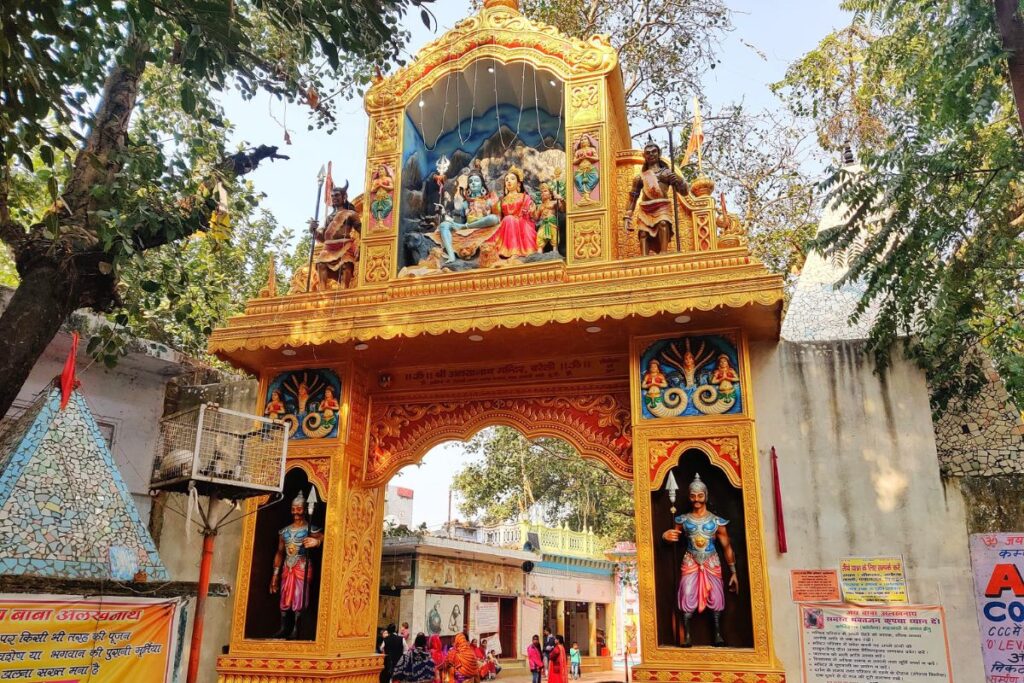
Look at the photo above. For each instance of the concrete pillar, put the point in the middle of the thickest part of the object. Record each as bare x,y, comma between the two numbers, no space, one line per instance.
560,617
418,619
474,603
592,629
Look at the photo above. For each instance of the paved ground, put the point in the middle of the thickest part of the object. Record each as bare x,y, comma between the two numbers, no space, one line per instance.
519,676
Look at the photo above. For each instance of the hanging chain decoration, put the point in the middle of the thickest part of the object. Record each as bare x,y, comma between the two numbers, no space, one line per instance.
458,101
497,111
536,111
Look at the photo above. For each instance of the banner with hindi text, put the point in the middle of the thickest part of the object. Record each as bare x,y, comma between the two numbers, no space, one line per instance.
998,563
845,643
66,639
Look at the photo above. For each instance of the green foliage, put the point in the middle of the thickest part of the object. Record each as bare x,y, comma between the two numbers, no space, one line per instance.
935,220
762,164
513,475
664,47
759,160
114,152
404,531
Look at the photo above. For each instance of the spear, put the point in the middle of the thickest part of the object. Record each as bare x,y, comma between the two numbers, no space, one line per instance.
671,486
675,199
316,220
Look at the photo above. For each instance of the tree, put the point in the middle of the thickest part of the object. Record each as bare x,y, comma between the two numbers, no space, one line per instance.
759,160
74,79
935,220
515,476
762,163
664,47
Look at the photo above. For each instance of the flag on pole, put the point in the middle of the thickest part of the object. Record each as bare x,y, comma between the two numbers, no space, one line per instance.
696,134
328,188
67,376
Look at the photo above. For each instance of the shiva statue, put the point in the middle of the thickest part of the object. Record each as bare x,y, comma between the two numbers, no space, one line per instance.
482,211
650,202
700,585
293,569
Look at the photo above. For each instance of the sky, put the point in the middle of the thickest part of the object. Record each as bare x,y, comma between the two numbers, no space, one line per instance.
768,35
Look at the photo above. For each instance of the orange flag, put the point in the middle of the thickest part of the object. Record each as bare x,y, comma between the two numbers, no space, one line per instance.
328,188
67,377
696,135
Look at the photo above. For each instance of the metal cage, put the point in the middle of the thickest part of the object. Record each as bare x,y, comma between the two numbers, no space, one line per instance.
223,452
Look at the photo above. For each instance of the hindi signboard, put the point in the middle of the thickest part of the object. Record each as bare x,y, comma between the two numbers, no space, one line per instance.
998,562
101,640
873,580
844,643
814,585
486,618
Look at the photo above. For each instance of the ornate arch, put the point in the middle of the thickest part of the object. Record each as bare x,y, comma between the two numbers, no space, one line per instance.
504,34
723,452
318,472
596,424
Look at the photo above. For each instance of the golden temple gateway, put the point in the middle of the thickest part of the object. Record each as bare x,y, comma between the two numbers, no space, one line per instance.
517,261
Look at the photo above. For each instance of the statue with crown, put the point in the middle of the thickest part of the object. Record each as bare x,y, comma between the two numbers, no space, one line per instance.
701,586
293,570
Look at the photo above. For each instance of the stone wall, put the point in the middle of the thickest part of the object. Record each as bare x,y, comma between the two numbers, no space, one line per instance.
983,436
859,476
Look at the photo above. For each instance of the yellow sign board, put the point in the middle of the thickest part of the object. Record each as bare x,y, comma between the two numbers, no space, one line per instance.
61,639
873,580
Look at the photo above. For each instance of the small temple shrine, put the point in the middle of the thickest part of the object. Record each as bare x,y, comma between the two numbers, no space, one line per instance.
519,259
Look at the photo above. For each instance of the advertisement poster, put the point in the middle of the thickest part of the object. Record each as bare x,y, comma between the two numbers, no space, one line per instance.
814,585
100,640
998,562
873,580
843,643
445,614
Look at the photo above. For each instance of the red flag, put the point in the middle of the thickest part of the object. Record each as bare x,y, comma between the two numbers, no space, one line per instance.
67,376
780,520
328,188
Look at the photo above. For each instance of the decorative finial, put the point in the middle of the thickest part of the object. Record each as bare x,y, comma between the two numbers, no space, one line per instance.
271,289
510,4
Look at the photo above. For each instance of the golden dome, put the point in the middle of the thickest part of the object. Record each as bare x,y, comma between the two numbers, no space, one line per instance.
511,4
702,186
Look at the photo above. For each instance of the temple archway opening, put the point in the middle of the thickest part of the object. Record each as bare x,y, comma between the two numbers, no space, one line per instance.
695,472
284,602
501,536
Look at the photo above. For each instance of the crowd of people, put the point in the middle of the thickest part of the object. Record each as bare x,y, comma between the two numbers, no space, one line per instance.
426,660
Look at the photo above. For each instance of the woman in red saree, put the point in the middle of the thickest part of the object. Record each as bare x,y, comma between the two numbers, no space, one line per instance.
463,660
559,663
516,235
434,647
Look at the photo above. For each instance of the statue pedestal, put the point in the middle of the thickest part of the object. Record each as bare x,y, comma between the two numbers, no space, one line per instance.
299,669
710,672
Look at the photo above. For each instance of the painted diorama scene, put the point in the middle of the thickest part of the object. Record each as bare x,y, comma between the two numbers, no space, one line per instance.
540,341
484,174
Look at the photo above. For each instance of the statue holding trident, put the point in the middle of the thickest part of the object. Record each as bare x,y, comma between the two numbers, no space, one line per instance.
700,584
292,567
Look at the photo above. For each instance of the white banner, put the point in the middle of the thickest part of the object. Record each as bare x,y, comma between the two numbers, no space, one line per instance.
486,618
840,644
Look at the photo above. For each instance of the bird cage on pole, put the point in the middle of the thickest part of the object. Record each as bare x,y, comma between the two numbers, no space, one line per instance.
220,453
224,455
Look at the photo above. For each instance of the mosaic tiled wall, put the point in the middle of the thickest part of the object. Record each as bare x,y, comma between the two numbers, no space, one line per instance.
983,437
64,509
